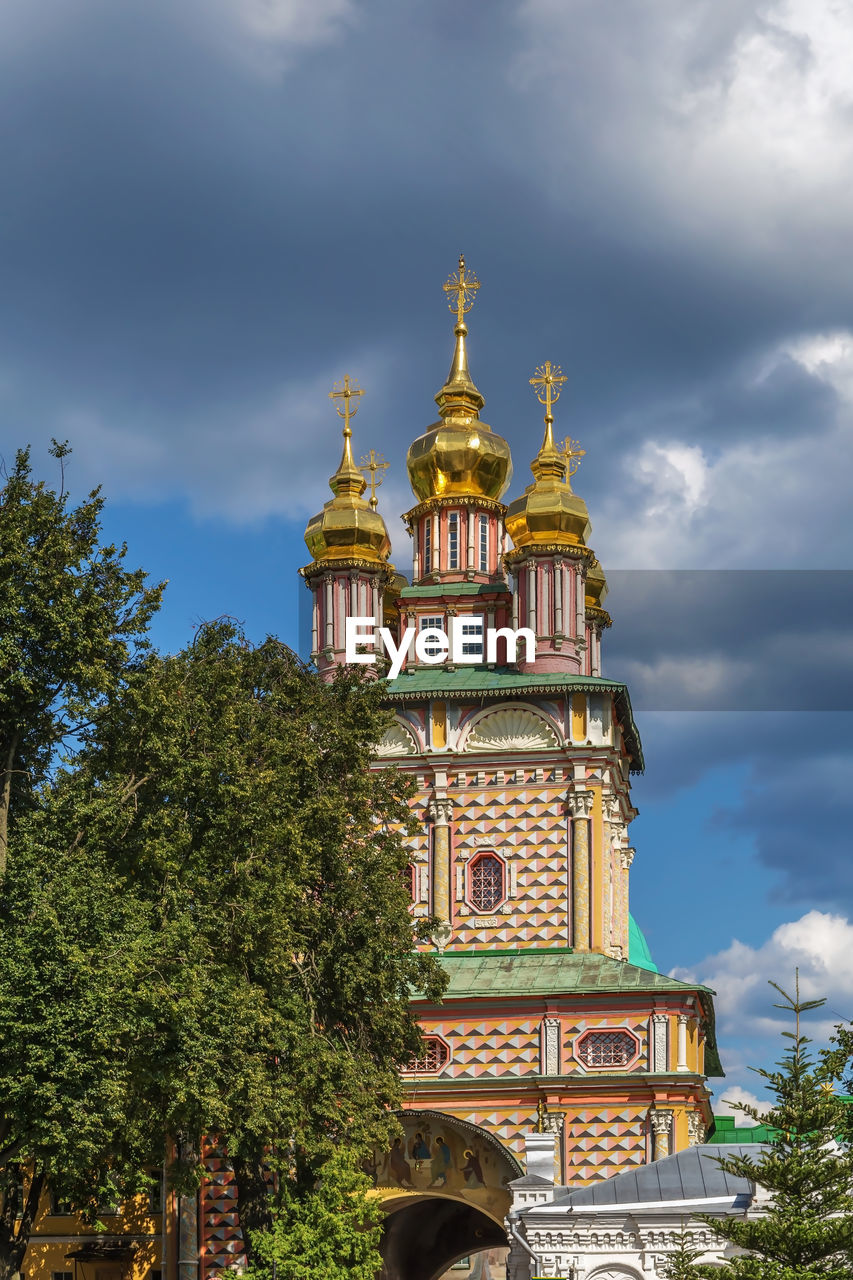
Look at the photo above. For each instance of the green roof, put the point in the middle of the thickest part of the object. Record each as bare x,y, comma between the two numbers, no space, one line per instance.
437,589
498,682
554,971
638,948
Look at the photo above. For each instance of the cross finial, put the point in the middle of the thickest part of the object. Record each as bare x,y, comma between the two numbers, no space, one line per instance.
464,284
547,383
374,463
572,453
345,391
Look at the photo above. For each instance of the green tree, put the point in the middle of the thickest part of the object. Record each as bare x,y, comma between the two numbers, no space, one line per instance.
805,1231
331,1233
73,618
681,1263
267,959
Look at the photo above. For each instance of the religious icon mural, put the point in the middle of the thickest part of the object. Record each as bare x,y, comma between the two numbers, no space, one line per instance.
444,1156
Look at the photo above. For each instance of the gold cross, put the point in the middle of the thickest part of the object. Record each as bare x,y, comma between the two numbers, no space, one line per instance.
572,453
547,382
374,463
345,391
465,285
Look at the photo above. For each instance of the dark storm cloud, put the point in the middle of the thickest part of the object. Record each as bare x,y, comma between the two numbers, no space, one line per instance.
721,640
190,230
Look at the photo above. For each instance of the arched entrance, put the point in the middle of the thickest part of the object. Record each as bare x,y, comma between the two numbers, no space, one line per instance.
445,1191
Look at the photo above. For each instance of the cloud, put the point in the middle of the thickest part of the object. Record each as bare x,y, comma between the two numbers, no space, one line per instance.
747,503
817,946
727,1105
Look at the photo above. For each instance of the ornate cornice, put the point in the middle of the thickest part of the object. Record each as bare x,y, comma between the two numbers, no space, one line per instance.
571,551
475,501
385,572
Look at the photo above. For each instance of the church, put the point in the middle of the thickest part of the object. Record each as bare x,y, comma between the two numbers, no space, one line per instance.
557,1120
559,1052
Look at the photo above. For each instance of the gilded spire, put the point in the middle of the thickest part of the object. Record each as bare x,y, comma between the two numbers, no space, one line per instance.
547,383
459,392
348,528
548,512
347,480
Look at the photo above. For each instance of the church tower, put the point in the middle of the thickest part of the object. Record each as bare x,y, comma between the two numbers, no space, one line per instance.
559,1052
349,573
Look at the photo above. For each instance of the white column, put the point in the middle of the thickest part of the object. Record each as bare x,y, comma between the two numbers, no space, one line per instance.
681,1064
515,584
472,563
415,550
580,604
315,623
567,608
353,595
558,597
330,617
531,597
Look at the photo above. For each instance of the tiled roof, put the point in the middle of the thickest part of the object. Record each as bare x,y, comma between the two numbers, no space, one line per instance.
548,971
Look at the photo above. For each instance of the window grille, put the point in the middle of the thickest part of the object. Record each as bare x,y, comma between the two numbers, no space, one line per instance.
487,882
433,649
607,1048
435,1056
453,540
484,544
427,544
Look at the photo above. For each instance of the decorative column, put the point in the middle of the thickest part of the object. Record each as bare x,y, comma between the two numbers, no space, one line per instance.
441,812
549,1047
659,1056
681,1064
662,1132
695,1129
580,803
626,857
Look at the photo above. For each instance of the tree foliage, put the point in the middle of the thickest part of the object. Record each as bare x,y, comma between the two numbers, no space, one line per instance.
251,962
72,622
804,1231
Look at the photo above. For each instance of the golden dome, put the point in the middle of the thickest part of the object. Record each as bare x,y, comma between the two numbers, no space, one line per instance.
596,584
548,511
460,455
348,528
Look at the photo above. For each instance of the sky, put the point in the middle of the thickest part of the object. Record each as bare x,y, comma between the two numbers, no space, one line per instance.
213,209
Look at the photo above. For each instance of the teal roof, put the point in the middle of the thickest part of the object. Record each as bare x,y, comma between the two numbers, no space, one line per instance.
638,948
559,971
497,682
433,591
553,971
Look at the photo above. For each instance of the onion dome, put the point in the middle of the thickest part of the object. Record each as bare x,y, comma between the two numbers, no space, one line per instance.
460,455
348,528
596,584
548,512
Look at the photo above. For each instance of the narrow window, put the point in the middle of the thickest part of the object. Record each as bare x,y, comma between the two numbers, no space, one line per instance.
486,882
425,621
453,540
484,544
472,638
427,544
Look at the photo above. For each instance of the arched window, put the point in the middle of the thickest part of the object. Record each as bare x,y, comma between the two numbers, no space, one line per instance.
436,1055
607,1048
486,882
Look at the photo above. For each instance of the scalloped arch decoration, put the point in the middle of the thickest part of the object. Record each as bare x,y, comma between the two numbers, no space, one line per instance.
396,741
511,729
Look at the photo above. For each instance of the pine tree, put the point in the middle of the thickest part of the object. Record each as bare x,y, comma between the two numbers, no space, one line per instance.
681,1264
805,1231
